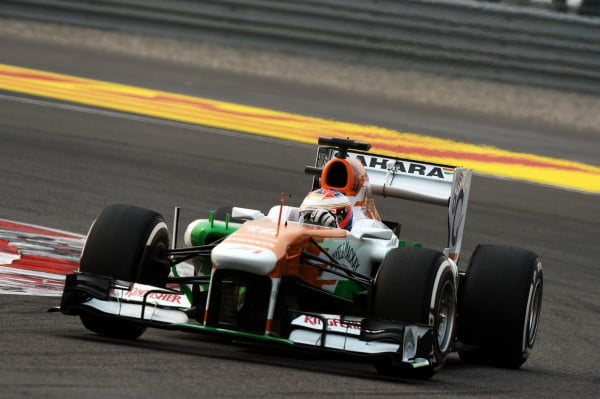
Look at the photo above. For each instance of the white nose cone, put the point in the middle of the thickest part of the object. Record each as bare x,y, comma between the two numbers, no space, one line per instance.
243,257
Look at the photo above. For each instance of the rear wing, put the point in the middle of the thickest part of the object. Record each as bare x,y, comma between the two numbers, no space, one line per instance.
416,181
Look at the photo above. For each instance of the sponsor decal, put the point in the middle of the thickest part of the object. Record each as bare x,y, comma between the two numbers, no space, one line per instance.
154,296
331,322
405,167
334,324
346,256
137,293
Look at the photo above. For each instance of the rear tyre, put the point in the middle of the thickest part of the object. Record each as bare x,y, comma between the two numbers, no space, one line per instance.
500,306
125,243
417,286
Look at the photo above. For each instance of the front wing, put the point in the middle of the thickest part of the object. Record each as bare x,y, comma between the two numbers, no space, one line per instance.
168,309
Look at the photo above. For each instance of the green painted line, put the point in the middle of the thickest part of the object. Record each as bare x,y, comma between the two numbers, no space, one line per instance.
236,333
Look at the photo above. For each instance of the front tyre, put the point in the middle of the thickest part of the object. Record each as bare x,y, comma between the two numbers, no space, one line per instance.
122,329
125,243
500,306
417,286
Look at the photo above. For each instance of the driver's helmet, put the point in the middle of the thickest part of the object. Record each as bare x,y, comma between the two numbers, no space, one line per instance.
318,204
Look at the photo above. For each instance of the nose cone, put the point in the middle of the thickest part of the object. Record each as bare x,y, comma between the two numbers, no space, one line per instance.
243,257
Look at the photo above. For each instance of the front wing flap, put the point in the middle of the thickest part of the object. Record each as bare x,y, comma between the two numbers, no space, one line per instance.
123,299
405,343
167,309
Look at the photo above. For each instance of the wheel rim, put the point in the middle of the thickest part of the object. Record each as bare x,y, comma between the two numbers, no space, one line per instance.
534,313
445,317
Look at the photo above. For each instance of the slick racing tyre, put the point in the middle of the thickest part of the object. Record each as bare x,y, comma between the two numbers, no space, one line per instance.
125,243
417,286
500,306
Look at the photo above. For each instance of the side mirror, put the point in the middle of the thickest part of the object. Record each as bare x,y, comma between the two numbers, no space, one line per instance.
375,232
245,213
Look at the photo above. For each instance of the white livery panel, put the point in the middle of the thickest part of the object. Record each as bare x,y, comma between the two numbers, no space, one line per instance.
418,181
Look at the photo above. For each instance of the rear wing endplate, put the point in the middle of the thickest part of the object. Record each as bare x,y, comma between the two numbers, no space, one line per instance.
416,181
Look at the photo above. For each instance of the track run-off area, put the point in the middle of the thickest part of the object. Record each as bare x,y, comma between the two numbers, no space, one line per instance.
34,260
261,121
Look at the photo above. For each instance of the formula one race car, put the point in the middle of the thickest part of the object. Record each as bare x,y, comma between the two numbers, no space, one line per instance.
329,275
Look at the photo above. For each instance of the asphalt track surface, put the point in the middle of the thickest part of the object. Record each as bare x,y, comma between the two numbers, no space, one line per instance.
61,164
